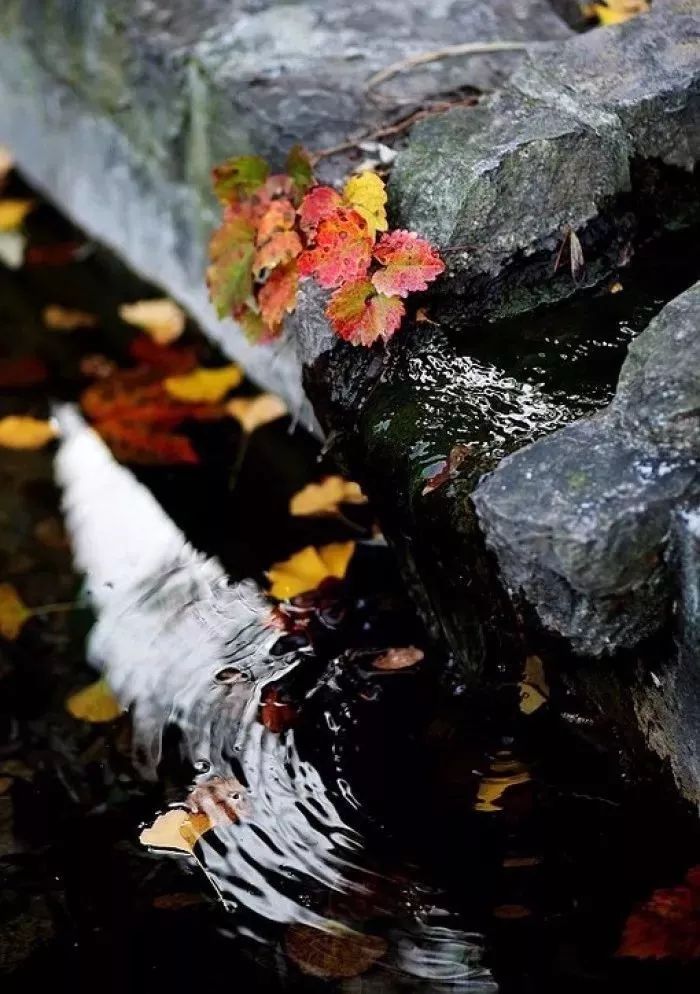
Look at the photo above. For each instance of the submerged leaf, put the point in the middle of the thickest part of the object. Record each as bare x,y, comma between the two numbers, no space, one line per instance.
332,954
254,412
409,262
204,385
308,568
367,195
163,320
13,612
24,432
361,316
60,318
176,830
13,212
95,703
325,497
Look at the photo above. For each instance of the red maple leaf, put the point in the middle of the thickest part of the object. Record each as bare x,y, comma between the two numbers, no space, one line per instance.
317,205
360,315
667,925
410,263
278,296
343,250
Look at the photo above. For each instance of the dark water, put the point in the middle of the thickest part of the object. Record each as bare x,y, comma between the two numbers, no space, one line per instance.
376,805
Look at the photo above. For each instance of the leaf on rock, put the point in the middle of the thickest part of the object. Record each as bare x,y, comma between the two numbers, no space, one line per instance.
325,497
59,318
667,925
254,412
281,248
361,316
317,205
409,262
367,195
13,212
162,319
162,358
239,177
207,386
13,612
25,371
299,169
399,659
278,296
230,275
308,568
176,829
279,216
332,954
143,444
95,703
343,250
25,432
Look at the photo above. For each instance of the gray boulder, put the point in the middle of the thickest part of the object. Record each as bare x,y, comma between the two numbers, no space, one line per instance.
580,521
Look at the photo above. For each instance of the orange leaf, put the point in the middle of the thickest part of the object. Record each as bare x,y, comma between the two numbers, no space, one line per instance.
13,612
177,830
360,315
399,659
137,443
281,248
410,263
317,205
279,216
278,296
343,250
667,925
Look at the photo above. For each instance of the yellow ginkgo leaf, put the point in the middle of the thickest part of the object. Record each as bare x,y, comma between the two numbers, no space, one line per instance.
66,319
176,829
161,319
253,412
13,212
95,703
367,196
13,612
615,11
306,569
325,497
24,432
204,386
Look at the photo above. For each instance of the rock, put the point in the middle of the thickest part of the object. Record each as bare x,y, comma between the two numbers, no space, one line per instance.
580,521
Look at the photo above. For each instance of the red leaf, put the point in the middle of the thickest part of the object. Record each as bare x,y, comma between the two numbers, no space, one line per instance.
343,250
136,443
275,714
360,315
667,925
317,205
410,263
138,395
278,296
161,357
278,250
25,371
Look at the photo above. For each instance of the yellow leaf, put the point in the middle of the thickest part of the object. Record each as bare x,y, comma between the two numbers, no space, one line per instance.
615,11
13,212
534,691
253,412
24,432
95,703
13,612
325,497
306,569
162,319
176,829
503,774
366,194
66,319
204,386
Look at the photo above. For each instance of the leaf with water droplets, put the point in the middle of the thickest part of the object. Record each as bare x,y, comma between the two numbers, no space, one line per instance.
342,252
361,316
317,205
409,262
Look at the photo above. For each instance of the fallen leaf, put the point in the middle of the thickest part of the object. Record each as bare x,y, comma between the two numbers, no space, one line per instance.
25,371
318,204
12,249
278,250
325,497
60,318
342,252
445,470
361,316
278,296
409,262
615,287
21,431
399,659
172,361
332,954
13,612
615,11
144,443
207,386
276,715
95,703
308,568
163,320
534,690
367,195
667,925
13,212
177,830
254,412
503,774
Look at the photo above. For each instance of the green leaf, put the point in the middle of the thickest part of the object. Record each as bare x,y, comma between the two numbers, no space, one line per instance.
300,170
239,177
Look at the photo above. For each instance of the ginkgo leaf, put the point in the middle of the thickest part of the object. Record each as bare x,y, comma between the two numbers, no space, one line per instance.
278,296
176,830
343,250
253,412
318,204
24,371
163,320
239,177
19,431
299,169
615,11
204,385
534,691
13,212
145,444
13,612
279,216
281,248
325,497
332,954
503,775
360,315
66,319
409,262
367,195
308,568
95,703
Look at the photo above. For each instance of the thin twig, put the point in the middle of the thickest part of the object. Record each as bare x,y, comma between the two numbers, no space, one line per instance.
449,52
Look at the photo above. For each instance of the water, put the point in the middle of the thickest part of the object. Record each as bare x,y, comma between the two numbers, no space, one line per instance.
474,852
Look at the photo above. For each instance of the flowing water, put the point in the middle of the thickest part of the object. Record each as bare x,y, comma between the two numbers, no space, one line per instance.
365,830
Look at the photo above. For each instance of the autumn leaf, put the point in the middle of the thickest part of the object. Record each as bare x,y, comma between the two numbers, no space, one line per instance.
162,319
177,830
279,216
204,385
332,954
308,568
13,212
615,11
95,703
13,612
25,432
317,205
343,250
252,324
162,358
409,262
367,195
144,444
139,396
25,371
360,315
239,177
503,775
59,318
534,690
278,296
325,497
445,470
231,250
276,715
667,925
281,248
254,412
299,169
398,659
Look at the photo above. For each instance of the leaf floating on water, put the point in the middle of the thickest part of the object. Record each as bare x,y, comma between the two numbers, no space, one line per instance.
13,212
667,925
308,568
19,431
25,371
503,775
59,318
95,703
399,659
254,412
145,444
172,361
325,497
367,195
534,690
204,385
177,830
13,612
12,246
163,320
446,469
332,954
